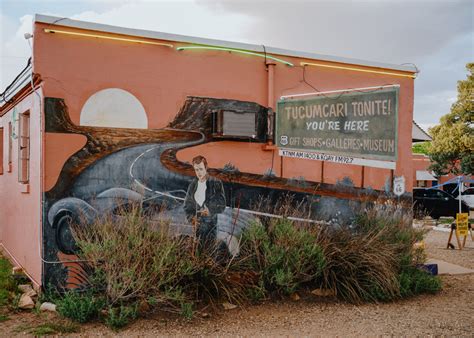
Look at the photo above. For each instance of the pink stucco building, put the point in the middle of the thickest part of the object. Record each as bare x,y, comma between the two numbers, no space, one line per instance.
104,112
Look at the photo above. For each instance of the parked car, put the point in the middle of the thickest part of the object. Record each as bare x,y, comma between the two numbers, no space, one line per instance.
436,203
467,196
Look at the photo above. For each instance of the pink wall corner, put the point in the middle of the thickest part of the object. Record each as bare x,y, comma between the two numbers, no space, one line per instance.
20,223
58,148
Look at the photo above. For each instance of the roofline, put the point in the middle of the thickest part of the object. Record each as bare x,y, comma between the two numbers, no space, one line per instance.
20,94
423,131
66,22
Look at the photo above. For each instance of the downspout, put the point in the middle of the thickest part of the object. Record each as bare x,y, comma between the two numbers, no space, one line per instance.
270,65
271,86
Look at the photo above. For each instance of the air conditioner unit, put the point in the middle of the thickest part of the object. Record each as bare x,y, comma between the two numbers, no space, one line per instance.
243,125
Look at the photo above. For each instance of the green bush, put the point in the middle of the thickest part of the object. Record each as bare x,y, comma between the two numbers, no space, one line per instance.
8,285
135,261
414,281
80,306
187,310
401,236
119,317
285,257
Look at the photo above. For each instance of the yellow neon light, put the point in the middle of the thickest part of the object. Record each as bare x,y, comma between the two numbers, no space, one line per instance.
108,37
357,69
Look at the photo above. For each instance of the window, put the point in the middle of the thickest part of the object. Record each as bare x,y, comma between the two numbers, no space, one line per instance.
24,148
421,183
1,151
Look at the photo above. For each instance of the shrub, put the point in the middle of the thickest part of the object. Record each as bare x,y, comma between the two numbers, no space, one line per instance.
8,284
414,281
187,310
133,260
359,266
80,306
284,256
119,317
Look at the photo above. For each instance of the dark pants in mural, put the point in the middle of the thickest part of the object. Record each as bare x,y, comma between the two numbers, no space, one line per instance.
204,218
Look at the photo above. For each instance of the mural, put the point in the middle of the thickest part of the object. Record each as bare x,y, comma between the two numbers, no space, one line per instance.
115,108
119,167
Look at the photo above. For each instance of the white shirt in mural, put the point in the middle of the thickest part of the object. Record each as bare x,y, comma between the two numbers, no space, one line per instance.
200,194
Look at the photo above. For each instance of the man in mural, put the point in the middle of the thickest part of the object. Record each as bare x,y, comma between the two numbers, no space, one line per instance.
204,200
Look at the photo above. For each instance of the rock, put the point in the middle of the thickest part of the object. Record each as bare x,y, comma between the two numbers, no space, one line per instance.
323,292
32,293
144,307
26,302
25,288
294,296
229,306
205,315
48,307
17,270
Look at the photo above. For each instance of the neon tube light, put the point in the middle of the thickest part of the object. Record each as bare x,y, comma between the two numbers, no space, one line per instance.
237,51
348,90
108,37
357,69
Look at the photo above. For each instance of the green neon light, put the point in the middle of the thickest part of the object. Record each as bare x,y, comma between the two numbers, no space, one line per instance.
237,51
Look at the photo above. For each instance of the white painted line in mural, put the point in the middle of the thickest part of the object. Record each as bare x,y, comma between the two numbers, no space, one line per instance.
279,216
145,187
306,155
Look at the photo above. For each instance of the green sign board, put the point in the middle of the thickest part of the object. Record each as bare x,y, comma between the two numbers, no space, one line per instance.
357,124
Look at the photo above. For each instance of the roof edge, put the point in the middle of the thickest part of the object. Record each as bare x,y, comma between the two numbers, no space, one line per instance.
66,22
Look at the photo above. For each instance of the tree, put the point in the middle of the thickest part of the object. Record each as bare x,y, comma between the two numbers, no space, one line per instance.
420,148
452,148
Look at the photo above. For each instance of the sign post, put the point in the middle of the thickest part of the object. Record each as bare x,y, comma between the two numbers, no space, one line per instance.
462,226
399,186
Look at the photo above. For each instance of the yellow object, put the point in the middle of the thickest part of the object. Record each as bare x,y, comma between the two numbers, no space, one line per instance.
108,37
419,245
357,69
462,224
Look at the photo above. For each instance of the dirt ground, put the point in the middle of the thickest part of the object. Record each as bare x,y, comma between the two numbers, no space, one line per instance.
449,313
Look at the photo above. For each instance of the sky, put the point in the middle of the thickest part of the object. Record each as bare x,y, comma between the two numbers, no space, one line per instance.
435,35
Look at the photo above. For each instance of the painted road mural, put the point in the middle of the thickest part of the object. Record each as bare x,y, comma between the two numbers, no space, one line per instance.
119,167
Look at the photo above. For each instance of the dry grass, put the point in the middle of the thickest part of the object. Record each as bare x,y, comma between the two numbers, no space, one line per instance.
135,262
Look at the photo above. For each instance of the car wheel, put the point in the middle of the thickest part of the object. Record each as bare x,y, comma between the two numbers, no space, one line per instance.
64,237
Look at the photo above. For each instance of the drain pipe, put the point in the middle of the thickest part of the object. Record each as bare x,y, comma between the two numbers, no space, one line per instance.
271,86
269,146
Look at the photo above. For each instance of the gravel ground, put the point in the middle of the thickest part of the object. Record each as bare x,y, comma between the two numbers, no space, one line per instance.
436,242
449,313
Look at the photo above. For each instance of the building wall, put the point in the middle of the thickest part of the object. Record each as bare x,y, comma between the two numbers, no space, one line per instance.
20,218
420,162
74,68
88,160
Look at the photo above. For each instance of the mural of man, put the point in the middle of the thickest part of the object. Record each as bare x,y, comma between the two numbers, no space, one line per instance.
205,199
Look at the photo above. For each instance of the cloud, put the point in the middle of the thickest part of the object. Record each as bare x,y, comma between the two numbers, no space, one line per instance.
14,49
435,35
179,17
386,31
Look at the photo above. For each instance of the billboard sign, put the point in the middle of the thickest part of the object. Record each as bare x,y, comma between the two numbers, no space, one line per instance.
355,124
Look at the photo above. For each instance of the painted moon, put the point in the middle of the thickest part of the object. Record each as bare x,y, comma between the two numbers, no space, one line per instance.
115,108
